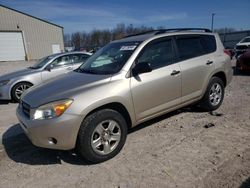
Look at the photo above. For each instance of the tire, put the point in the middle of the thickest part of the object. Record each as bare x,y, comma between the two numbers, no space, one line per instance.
211,102
95,141
18,90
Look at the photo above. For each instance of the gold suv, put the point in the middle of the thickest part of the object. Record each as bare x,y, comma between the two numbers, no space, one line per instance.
125,83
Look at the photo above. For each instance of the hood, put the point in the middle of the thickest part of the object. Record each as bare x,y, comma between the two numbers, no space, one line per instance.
65,86
19,73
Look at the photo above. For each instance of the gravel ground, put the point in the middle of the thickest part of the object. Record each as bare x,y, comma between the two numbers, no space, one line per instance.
174,150
7,109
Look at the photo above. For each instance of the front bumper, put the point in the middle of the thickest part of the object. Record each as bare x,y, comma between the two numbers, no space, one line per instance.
57,133
5,92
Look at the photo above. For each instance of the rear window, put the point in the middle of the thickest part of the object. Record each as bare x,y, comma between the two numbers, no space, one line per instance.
209,43
195,45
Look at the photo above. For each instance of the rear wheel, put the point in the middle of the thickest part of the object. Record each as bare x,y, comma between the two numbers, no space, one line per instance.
102,135
214,95
19,89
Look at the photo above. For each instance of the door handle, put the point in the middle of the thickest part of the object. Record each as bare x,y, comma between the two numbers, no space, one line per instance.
209,62
175,72
70,68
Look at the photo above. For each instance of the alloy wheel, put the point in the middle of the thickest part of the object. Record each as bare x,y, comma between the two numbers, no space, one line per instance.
215,94
106,137
20,89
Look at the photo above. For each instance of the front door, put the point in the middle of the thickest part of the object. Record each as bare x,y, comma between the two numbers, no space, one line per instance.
59,66
159,90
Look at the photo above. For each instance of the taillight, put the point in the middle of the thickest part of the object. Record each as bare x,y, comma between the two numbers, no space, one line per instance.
228,53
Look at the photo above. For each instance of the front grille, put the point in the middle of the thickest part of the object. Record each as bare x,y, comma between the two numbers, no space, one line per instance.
25,108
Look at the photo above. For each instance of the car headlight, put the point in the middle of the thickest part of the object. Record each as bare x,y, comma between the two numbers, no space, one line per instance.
4,82
52,110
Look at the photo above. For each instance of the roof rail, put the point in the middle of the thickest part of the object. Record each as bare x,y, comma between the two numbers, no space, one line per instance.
160,31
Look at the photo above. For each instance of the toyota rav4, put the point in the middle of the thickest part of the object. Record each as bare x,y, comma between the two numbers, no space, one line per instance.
127,82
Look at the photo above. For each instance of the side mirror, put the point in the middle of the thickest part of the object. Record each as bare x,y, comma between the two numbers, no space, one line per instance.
141,67
48,68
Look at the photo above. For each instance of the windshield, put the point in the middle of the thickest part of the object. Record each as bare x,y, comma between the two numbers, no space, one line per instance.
110,59
41,62
245,40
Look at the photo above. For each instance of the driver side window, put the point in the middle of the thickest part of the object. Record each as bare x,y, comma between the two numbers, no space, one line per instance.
158,54
61,61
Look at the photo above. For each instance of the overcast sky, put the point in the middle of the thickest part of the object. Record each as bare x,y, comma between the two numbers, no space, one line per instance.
80,15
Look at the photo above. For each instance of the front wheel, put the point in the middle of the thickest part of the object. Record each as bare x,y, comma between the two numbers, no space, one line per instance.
102,135
214,95
19,89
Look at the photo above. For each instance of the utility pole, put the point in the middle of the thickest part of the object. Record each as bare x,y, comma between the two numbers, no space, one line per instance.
212,26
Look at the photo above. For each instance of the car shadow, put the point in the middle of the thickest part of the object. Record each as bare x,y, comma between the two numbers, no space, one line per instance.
192,109
3,102
19,148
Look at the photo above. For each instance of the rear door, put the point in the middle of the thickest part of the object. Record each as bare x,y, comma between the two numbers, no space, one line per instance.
60,65
196,59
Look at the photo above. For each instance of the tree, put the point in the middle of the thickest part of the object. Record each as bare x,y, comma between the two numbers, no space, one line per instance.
98,38
119,32
225,30
67,40
105,37
76,40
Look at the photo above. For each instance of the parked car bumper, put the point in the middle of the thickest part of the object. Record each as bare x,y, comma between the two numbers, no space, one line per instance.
5,92
56,133
243,67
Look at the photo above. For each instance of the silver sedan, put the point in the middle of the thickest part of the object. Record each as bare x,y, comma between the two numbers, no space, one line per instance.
13,85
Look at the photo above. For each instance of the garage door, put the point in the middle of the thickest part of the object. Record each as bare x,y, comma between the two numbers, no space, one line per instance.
11,46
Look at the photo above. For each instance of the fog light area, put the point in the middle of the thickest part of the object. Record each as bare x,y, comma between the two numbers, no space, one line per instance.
52,141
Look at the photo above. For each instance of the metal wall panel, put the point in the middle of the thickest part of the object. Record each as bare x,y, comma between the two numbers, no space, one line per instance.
38,35
229,40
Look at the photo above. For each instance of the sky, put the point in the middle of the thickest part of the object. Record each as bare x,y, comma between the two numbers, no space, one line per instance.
81,15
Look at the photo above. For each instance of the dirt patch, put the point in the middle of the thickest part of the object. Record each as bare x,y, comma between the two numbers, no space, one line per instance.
231,173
